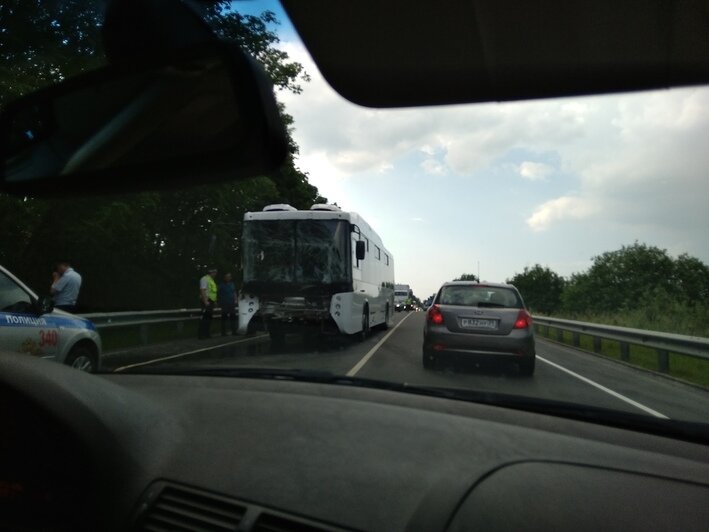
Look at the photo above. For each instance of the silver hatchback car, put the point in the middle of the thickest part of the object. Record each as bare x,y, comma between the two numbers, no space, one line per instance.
481,321
29,324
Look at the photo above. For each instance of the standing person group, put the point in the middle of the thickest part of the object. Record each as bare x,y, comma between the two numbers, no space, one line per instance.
210,295
66,283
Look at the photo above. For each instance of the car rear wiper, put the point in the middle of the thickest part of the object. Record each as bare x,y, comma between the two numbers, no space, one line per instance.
684,430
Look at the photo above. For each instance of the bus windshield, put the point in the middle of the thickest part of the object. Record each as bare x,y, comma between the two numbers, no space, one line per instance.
296,251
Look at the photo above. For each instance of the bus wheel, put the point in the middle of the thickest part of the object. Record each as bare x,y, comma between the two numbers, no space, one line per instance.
384,326
365,325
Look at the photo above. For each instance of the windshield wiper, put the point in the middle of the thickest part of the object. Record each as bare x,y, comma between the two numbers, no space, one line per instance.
307,375
685,430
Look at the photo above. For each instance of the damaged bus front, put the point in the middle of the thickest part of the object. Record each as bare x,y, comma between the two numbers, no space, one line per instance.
303,271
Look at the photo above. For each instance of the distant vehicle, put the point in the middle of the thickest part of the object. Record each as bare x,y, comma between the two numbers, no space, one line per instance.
401,296
322,270
469,320
29,324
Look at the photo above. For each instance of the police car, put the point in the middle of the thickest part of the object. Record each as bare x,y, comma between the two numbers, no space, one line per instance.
29,324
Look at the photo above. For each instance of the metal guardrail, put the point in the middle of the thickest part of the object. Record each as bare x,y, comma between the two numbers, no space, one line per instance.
102,319
144,320
662,343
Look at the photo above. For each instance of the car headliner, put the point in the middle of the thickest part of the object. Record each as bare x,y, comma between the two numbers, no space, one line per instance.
405,53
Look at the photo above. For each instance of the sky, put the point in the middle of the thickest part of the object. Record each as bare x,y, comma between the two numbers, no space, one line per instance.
494,188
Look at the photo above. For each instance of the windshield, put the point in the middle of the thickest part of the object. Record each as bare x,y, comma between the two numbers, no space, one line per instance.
295,252
512,248
479,296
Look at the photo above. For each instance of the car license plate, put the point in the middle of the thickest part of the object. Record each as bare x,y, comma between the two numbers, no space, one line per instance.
477,323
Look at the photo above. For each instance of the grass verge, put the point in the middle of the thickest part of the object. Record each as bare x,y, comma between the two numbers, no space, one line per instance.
683,367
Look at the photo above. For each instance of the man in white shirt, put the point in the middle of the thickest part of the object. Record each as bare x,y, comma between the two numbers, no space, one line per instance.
66,286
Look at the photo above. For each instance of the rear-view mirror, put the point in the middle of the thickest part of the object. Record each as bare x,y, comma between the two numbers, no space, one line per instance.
209,116
193,112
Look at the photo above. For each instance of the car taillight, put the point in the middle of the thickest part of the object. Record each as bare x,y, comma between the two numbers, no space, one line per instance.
435,315
524,320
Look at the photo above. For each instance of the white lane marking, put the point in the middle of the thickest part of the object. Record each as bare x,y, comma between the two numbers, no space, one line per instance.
365,358
117,370
607,390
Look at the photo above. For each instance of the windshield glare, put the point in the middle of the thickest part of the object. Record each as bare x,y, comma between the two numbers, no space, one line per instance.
506,248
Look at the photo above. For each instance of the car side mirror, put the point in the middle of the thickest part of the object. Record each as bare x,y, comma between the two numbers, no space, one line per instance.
360,249
44,305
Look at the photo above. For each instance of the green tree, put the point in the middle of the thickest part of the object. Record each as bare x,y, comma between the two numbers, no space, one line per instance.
618,280
577,295
256,35
541,288
44,42
467,277
691,279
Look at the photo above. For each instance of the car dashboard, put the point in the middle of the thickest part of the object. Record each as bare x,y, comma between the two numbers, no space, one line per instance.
158,452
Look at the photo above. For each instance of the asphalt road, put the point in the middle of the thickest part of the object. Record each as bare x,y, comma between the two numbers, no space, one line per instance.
562,373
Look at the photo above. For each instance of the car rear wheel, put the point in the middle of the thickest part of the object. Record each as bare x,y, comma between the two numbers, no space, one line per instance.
526,366
82,358
429,360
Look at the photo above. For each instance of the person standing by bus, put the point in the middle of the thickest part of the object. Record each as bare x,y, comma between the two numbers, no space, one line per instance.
208,298
226,297
66,283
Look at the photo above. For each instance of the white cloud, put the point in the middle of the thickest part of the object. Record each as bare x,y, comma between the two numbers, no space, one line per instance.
324,175
644,161
468,138
560,209
636,162
433,167
532,171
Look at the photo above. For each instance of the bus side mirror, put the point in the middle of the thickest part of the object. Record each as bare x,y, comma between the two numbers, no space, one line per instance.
359,250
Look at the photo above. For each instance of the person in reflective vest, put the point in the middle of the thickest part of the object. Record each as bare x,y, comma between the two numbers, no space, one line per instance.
208,298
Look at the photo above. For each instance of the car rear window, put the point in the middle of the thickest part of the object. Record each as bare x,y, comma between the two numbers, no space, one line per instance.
479,296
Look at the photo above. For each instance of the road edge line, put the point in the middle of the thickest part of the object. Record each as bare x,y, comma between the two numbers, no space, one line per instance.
138,364
359,365
617,395
630,365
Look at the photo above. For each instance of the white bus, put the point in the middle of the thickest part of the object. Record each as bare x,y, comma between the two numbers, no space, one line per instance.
321,270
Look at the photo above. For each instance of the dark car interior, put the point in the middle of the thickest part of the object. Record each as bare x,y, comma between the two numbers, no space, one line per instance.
266,453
